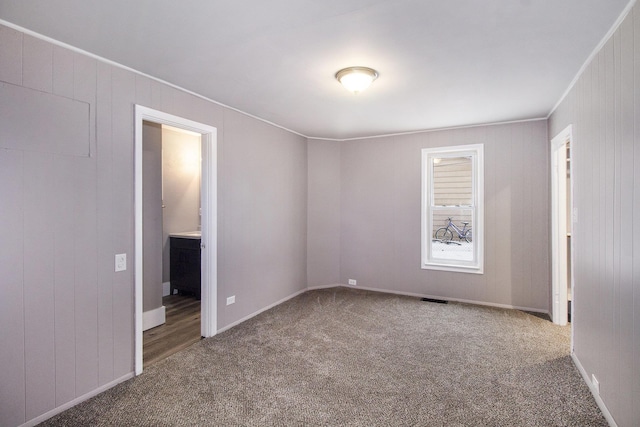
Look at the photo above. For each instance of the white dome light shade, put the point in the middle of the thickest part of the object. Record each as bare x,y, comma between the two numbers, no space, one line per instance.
356,79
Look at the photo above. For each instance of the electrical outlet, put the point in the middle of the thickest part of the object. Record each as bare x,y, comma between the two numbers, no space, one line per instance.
596,384
121,262
353,282
231,300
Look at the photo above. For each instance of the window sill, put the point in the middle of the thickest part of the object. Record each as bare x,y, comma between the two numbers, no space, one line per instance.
453,268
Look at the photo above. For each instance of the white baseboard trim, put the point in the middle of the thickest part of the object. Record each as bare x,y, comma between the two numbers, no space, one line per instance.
160,312
594,392
315,288
386,291
166,289
465,301
153,318
77,400
245,318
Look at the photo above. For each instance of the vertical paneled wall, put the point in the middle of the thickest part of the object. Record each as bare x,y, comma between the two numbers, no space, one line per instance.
48,230
379,183
67,207
604,111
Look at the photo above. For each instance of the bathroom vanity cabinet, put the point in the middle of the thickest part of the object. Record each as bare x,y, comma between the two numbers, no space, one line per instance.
185,273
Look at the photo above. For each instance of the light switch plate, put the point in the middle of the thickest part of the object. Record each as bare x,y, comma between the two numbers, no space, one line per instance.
121,262
231,300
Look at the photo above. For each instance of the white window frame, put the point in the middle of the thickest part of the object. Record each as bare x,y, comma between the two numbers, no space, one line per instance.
476,151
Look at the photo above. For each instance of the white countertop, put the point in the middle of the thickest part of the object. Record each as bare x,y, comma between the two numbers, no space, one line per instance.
187,234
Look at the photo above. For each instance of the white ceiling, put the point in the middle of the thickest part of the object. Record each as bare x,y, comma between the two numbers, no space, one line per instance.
441,63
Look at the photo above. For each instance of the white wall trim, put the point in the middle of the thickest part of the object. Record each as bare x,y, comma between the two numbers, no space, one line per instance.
77,400
111,384
209,242
464,301
124,67
595,51
441,129
385,291
254,314
166,289
593,54
334,285
559,248
153,318
594,392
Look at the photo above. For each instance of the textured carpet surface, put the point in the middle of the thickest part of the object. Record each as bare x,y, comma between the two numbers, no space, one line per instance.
345,357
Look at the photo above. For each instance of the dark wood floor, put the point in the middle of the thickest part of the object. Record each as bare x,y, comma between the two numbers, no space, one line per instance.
181,329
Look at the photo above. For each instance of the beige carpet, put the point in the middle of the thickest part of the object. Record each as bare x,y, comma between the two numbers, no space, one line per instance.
343,357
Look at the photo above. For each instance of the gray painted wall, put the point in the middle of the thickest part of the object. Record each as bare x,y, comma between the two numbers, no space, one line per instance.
378,243
323,250
67,318
604,109
262,228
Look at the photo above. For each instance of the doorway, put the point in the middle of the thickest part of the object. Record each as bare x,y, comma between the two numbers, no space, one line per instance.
561,226
171,206
208,242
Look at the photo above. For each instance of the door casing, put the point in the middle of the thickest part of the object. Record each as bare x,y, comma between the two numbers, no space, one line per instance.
209,197
559,247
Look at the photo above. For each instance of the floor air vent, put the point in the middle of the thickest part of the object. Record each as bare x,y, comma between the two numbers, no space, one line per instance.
439,301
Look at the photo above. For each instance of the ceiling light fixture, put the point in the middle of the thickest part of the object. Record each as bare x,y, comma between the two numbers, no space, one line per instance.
356,79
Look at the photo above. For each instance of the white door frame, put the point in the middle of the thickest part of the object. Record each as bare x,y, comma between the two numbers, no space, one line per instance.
209,293
559,248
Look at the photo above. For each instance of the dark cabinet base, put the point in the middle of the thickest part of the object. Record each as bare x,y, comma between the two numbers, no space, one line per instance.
185,265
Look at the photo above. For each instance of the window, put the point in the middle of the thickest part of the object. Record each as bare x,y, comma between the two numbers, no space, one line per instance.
452,208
